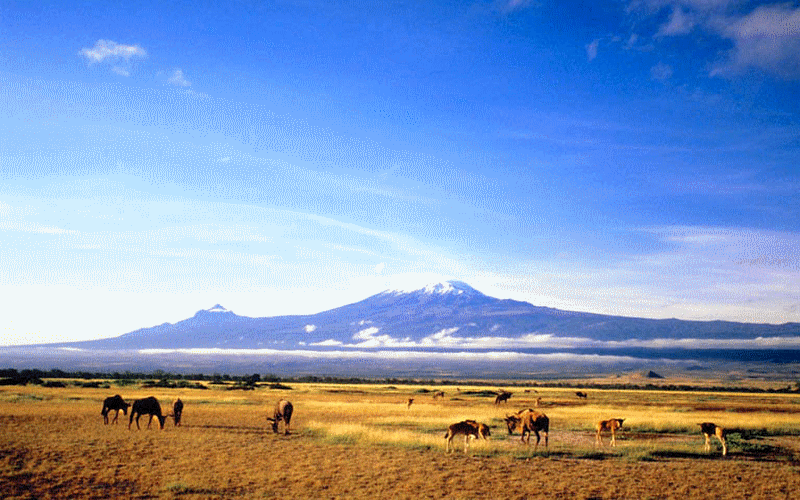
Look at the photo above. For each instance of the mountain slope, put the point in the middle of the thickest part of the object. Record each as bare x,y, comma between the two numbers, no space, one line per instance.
441,315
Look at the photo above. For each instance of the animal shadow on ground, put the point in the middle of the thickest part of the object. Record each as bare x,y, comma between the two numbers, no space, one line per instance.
234,428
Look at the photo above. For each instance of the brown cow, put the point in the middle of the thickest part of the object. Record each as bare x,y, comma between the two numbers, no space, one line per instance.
530,421
283,411
115,403
611,425
147,406
469,428
711,429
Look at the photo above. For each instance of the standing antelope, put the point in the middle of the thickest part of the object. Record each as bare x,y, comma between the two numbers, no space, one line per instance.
710,429
283,411
608,425
469,428
530,421
410,400
115,403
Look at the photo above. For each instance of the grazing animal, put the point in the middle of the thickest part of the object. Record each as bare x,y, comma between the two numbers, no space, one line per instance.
710,429
177,411
530,421
538,402
502,396
581,395
283,411
115,403
410,400
611,425
438,394
469,428
147,406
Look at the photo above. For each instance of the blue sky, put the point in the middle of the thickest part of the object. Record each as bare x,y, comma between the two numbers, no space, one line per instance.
634,158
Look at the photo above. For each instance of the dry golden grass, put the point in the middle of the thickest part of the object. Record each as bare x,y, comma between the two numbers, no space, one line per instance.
363,441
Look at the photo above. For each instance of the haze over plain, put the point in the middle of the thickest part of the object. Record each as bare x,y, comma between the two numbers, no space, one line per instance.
634,158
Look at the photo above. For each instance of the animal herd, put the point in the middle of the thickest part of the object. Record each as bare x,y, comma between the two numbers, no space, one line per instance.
151,407
527,421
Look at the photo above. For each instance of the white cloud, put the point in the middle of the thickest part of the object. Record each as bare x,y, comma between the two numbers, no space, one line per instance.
327,343
366,333
661,72
680,22
513,5
379,268
109,50
178,79
767,39
591,49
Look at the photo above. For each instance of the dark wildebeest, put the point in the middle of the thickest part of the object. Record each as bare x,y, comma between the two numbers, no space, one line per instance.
410,400
608,425
147,406
283,411
581,395
115,403
438,394
710,429
177,411
530,421
469,428
502,396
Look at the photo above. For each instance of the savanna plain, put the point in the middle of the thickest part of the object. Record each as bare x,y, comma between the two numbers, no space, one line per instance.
366,441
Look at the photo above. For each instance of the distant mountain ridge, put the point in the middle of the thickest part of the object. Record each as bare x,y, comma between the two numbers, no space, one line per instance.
444,315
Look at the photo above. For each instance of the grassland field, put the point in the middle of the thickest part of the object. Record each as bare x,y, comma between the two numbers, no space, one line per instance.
364,441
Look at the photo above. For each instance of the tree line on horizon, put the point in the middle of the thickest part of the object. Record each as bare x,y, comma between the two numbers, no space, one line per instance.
160,378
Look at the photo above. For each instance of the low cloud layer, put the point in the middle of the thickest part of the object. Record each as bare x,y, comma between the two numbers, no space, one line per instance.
449,339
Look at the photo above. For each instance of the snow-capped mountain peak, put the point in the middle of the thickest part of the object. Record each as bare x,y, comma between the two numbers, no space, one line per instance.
448,287
218,308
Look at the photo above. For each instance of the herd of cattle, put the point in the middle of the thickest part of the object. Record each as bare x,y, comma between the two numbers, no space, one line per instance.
529,421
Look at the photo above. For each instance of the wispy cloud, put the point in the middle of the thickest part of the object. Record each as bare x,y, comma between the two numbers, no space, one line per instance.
591,49
178,79
514,5
110,51
661,72
765,38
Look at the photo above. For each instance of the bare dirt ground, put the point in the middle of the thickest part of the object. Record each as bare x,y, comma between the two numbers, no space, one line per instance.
247,461
53,444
